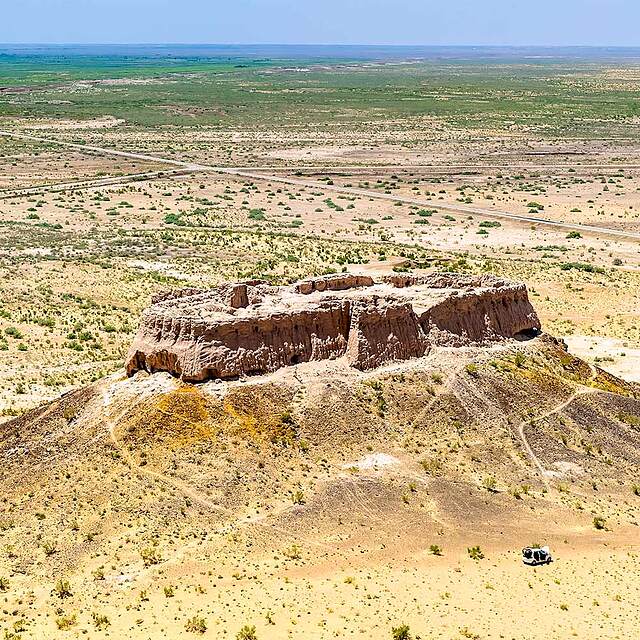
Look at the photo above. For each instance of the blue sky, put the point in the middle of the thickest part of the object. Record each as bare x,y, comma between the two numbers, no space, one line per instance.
427,22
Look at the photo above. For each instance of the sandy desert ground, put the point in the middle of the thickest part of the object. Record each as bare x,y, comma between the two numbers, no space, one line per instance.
110,532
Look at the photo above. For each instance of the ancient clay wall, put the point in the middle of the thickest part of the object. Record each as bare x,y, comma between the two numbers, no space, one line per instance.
245,346
480,317
252,328
337,282
383,332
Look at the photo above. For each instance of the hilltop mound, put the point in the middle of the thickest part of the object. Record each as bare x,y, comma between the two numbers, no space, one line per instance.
245,497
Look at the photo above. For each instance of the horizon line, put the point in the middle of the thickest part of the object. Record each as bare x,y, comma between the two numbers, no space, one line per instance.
324,44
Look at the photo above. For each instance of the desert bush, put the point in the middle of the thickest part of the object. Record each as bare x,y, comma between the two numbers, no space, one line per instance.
98,574
294,552
62,589
472,369
401,633
247,633
490,484
150,556
432,466
197,624
66,622
475,553
100,621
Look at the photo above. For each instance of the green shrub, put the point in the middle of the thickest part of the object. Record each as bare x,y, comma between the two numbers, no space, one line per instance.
197,624
62,589
150,556
66,622
475,553
581,266
173,218
100,621
401,633
247,633
490,484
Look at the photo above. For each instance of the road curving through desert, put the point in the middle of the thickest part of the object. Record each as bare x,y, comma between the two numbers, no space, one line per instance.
256,174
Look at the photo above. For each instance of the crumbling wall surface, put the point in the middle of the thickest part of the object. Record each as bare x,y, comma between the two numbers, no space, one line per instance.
175,294
480,316
198,351
253,328
234,295
447,280
337,282
383,332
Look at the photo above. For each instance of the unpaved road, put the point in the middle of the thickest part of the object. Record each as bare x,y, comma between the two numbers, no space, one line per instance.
91,184
255,174
580,391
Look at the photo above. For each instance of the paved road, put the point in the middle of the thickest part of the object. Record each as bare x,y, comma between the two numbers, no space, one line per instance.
255,174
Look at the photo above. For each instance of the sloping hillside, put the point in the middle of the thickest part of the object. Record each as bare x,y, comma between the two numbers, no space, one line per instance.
149,501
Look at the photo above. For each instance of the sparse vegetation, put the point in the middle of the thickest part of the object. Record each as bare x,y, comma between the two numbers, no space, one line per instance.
106,499
247,633
62,588
196,624
475,553
401,632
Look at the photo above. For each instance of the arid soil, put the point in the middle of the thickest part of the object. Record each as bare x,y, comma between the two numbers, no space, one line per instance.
317,501
239,503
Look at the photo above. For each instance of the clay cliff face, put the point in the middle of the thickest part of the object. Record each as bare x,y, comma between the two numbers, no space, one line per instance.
253,328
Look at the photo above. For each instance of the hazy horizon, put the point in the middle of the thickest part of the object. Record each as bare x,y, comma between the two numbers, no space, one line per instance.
583,23
314,53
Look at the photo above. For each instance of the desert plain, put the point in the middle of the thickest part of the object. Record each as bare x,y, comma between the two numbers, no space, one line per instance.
318,501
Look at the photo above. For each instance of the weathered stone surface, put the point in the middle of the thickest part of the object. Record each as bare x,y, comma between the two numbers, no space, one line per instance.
337,282
382,331
253,328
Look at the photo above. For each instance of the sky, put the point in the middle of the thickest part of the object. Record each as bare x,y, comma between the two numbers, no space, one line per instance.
411,22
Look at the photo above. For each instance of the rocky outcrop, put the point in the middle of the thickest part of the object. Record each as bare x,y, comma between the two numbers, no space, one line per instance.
253,328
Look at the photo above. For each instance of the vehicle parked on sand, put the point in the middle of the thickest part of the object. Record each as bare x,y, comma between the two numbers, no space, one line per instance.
535,556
